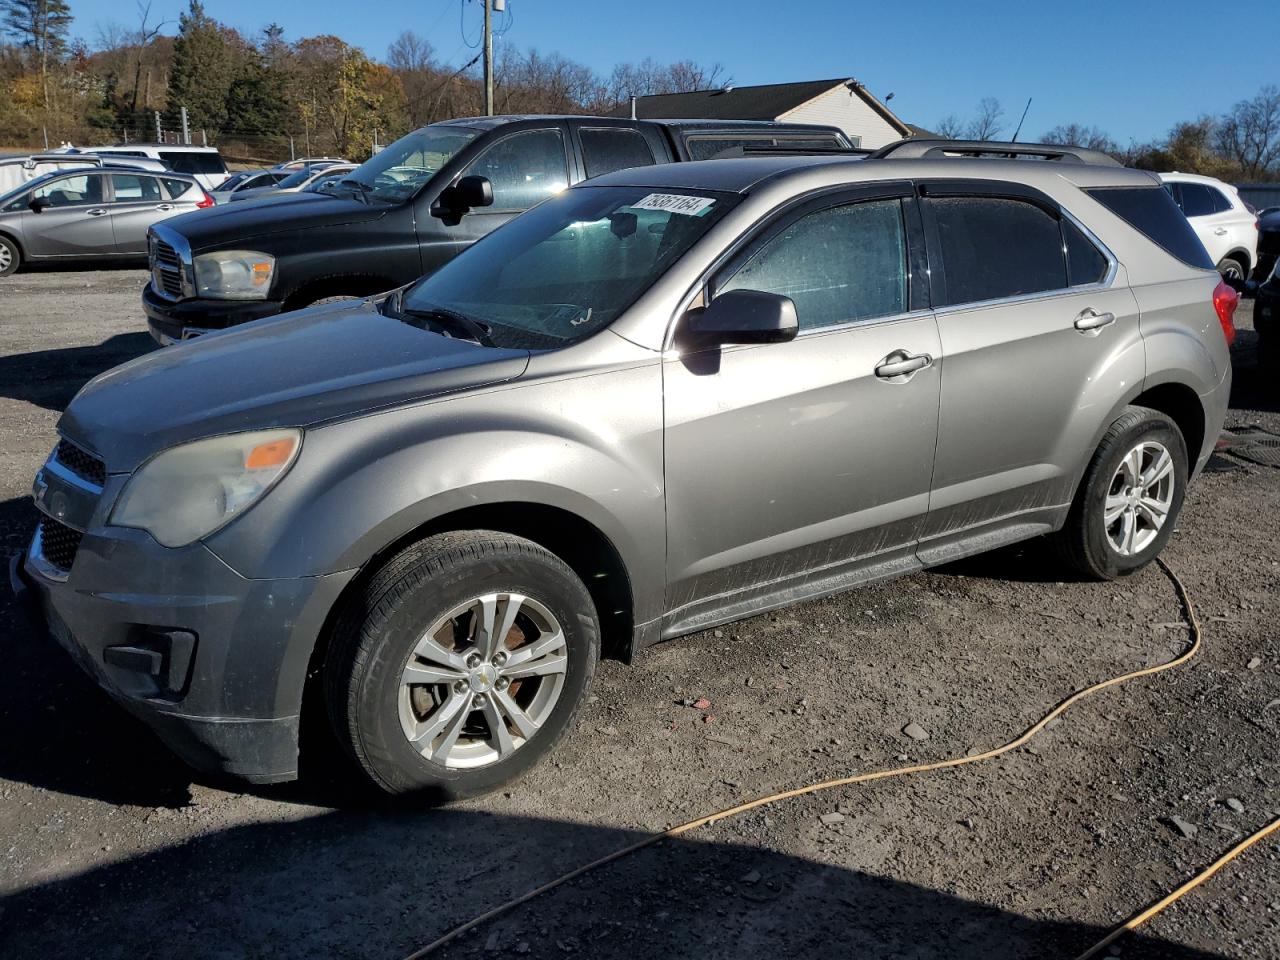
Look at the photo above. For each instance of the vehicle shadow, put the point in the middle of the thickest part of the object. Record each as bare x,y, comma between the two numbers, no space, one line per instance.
1253,386
384,883
50,378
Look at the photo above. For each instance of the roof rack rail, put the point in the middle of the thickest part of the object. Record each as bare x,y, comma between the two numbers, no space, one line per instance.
783,150
926,148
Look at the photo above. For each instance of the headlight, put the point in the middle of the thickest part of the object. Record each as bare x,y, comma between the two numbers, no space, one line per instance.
189,491
234,274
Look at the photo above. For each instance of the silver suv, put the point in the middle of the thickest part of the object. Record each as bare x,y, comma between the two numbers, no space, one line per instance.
660,401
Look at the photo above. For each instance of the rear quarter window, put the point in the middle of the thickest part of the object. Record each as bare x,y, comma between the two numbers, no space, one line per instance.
1152,212
605,149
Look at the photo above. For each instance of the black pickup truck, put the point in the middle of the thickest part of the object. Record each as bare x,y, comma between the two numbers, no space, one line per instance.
410,208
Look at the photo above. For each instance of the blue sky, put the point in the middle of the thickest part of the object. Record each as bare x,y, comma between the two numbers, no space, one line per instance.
1132,69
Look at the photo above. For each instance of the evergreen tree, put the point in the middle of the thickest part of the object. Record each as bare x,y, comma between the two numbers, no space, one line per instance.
202,73
39,26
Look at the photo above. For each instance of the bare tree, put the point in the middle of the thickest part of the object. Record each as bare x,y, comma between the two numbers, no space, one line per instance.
1250,133
1079,135
950,127
412,59
989,120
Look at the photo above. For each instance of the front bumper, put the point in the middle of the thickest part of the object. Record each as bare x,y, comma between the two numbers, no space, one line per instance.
172,320
213,662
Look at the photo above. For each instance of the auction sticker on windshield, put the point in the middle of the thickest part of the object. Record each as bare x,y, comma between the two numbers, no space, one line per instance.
675,203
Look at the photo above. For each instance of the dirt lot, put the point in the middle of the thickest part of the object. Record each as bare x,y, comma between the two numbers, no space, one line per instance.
110,848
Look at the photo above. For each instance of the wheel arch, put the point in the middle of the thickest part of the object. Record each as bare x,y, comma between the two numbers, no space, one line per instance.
13,238
1241,255
336,285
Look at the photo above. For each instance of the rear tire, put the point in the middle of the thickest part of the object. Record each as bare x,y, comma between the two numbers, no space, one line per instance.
10,257
1129,499
429,702
1232,269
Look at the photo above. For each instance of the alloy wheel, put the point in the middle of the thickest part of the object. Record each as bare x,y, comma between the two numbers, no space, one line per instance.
1139,498
483,680
6,257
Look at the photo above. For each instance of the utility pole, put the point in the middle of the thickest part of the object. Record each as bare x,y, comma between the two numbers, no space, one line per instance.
159,132
292,155
186,132
488,59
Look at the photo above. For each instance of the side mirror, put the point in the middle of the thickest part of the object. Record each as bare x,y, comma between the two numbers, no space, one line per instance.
38,204
455,200
741,316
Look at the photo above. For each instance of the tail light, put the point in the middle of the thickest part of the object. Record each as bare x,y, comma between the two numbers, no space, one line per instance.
1225,301
207,202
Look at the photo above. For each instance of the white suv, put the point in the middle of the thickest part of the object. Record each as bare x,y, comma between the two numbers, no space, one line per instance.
1227,228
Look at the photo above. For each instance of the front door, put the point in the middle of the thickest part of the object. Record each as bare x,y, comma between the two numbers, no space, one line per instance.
1038,332
75,221
792,466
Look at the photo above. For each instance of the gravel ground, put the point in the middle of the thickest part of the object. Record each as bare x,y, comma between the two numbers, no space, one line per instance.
111,848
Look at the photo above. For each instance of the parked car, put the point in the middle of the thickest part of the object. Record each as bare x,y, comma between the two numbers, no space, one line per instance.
666,399
19,169
246,180
203,163
291,166
405,212
1266,317
294,182
91,213
324,182
1268,242
1220,218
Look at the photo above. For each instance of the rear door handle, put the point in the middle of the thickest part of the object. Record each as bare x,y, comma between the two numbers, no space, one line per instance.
1090,319
164,206
900,363
1220,231
96,212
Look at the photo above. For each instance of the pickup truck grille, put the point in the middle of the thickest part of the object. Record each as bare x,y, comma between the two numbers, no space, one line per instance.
166,270
83,464
58,543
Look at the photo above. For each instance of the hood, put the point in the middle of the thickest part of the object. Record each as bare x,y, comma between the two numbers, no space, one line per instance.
275,213
298,370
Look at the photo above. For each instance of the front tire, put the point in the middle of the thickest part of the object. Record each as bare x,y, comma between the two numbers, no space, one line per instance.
1129,500
461,663
10,257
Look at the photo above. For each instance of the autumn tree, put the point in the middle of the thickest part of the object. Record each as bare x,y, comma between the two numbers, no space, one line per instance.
41,28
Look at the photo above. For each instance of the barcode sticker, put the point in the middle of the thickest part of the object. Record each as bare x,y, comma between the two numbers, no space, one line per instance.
675,203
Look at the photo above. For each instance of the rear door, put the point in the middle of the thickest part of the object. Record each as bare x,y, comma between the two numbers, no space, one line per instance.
137,201
76,223
1035,327
801,458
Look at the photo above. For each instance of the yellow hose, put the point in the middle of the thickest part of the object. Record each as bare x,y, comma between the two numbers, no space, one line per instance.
1192,649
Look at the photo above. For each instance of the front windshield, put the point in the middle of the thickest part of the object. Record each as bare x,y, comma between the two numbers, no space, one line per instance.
570,266
296,179
399,170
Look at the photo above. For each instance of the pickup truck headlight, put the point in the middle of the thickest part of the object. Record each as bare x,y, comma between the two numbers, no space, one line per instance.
234,274
189,491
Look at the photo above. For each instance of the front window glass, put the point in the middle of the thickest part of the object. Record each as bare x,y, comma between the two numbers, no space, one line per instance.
524,169
70,191
569,267
837,265
400,169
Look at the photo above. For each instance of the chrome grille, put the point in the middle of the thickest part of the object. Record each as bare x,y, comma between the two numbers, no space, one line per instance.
58,543
80,462
166,269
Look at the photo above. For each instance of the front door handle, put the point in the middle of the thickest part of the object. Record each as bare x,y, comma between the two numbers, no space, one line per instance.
1090,320
900,363
96,212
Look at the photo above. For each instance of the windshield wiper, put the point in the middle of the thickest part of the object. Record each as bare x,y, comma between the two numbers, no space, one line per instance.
451,320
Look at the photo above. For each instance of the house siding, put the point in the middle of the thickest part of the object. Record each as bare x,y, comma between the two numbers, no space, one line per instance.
841,107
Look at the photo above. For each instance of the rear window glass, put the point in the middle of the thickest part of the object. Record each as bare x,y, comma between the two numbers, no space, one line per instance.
1197,200
995,247
175,186
1152,212
131,188
605,150
195,161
